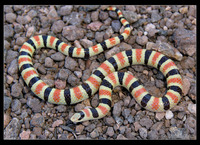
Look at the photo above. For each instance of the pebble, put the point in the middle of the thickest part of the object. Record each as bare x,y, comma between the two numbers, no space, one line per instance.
13,67
130,16
94,133
185,40
12,130
72,33
57,26
110,131
192,108
57,123
70,63
60,84
10,17
155,16
16,90
7,119
37,120
117,108
143,132
58,56
8,31
65,10
25,134
169,114
34,103
48,62
94,26
7,102
146,122
160,115
186,85
116,25
142,40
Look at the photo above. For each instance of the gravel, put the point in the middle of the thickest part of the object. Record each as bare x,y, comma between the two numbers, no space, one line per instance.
169,29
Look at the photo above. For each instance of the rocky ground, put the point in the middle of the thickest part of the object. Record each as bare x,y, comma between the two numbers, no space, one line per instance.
170,30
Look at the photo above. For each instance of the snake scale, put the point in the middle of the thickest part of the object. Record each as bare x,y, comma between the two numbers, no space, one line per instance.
105,77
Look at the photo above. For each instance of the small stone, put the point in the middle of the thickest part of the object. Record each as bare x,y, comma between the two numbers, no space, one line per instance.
160,115
30,31
187,63
86,43
137,126
10,17
183,10
11,55
7,102
16,90
121,137
79,128
7,119
60,84
20,40
143,132
70,63
151,29
57,26
65,10
142,40
169,114
94,26
127,100
16,105
78,74
146,122
37,120
53,15
192,108
63,74
91,7
116,25
25,134
186,86
13,67
73,80
99,36
110,121
57,123
103,15
94,16
130,16
8,31
12,130
72,33
41,69
79,107
48,62
94,133
185,41
110,131
178,133
155,16
117,109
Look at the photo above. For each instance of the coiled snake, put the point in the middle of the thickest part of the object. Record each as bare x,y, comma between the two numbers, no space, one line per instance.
104,78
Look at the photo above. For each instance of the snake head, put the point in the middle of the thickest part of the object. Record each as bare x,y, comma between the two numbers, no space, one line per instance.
77,117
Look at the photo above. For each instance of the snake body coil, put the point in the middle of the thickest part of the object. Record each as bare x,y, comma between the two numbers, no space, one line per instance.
104,78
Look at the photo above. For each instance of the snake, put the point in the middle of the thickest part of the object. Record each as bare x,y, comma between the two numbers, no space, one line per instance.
105,78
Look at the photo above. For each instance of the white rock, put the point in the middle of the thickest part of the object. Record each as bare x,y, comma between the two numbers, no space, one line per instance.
169,114
192,108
